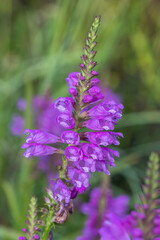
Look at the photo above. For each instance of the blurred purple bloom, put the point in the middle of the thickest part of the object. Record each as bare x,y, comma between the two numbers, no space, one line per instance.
110,95
21,104
18,125
112,225
113,228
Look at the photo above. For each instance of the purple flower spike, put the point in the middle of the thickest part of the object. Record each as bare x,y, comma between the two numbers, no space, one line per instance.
73,153
83,150
61,192
104,138
70,137
41,137
64,105
35,149
79,179
66,121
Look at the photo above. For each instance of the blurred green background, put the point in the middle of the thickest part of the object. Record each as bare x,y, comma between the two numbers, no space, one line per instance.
41,42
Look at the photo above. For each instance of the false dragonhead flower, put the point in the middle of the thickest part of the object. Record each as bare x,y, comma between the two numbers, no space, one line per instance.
88,122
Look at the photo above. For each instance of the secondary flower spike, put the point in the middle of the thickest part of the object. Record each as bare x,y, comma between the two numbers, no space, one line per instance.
85,151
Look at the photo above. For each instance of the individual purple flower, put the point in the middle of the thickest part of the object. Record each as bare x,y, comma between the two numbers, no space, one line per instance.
107,109
70,137
95,73
64,105
104,138
91,150
17,125
99,124
86,165
39,136
79,179
94,90
66,121
35,149
73,153
94,81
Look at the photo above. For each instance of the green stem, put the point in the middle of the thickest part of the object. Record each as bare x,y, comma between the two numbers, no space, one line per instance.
49,223
46,233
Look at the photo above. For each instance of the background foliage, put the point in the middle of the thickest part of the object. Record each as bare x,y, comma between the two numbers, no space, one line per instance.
41,43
